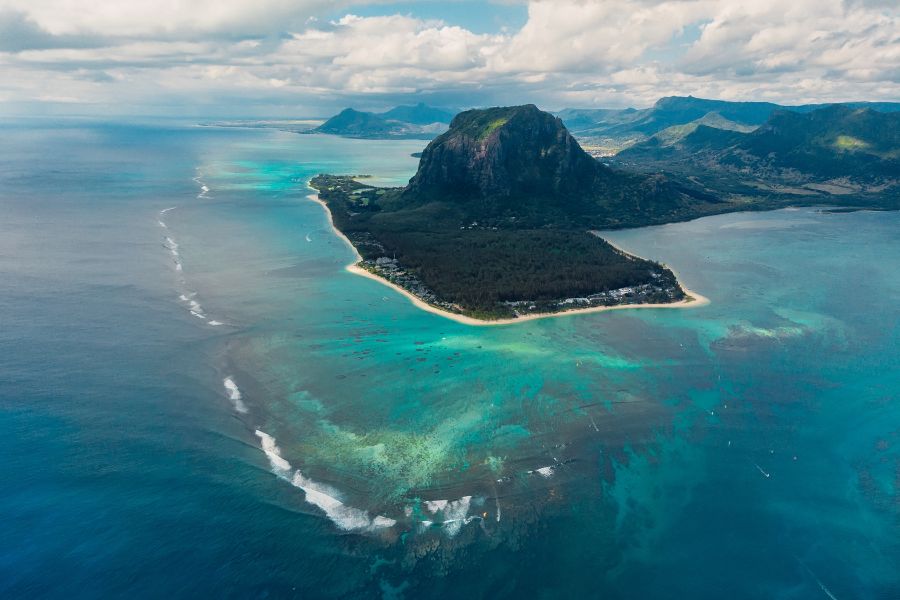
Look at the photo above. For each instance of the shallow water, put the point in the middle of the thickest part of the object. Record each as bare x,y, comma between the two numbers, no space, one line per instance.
197,398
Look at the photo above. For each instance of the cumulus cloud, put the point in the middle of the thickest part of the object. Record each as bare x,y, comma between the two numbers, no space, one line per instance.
568,52
579,36
19,32
118,18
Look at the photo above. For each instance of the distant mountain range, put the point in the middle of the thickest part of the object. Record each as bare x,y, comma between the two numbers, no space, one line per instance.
607,131
417,121
837,141
836,155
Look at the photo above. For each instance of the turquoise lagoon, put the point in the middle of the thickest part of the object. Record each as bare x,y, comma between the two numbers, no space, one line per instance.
197,398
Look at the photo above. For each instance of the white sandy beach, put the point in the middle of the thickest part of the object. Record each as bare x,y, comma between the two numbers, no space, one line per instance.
693,299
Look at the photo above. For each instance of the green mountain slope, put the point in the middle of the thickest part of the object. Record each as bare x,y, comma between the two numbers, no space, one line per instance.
619,129
354,123
827,143
419,114
419,121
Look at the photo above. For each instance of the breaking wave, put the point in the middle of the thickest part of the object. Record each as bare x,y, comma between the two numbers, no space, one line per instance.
454,514
234,394
193,306
346,518
204,189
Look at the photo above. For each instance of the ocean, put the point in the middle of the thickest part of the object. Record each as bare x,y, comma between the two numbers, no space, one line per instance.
196,399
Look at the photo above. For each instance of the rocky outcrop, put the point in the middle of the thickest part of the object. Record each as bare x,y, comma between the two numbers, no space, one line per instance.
505,152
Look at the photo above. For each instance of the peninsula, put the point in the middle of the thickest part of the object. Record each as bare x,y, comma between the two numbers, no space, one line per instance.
498,223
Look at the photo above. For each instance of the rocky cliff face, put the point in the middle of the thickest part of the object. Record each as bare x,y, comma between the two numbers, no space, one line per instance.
499,153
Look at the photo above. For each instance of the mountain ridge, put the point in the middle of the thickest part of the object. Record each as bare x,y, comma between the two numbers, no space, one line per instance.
418,121
830,142
613,130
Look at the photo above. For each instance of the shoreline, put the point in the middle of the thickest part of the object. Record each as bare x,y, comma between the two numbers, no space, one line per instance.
692,300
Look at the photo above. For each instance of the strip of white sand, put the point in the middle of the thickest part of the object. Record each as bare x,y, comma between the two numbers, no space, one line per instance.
692,299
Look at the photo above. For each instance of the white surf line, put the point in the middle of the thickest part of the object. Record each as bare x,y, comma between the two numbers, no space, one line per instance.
187,297
160,221
322,496
234,394
454,513
170,244
196,309
204,190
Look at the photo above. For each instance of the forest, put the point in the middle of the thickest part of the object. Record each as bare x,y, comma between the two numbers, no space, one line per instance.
479,269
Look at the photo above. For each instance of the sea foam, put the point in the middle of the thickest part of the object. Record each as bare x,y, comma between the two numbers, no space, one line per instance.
436,505
454,513
347,518
544,471
280,466
234,394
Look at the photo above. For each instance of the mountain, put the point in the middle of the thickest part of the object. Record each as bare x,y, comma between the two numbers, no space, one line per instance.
614,130
520,167
837,141
679,111
504,152
831,142
419,114
634,124
713,120
417,122
352,122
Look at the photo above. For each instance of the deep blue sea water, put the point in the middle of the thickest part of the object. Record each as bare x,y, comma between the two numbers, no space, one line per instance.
746,449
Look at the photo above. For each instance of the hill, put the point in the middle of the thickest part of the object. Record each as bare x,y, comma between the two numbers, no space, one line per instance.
614,130
419,114
514,167
832,155
857,149
831,142
418,122
352,122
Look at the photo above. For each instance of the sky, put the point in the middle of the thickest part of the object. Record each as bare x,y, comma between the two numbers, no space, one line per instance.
307,58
